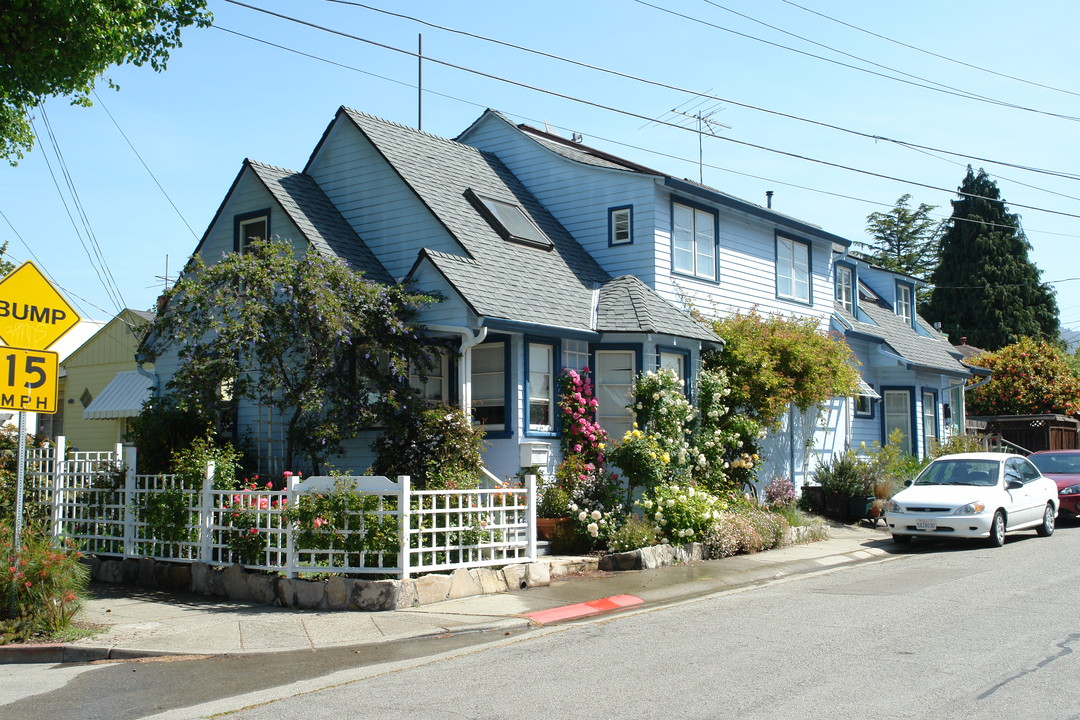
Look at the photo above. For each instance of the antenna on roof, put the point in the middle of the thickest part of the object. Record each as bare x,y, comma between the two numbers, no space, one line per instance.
420,82
705,123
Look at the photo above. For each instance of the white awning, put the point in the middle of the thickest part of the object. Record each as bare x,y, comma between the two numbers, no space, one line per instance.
123,397
866,391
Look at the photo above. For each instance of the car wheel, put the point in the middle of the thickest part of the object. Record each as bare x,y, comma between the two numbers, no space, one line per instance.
901,539
1047,527
997,530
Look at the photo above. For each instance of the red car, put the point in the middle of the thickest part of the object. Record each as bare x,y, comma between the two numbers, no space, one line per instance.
1063,467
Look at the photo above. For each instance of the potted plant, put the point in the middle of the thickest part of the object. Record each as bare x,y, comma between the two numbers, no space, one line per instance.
551,510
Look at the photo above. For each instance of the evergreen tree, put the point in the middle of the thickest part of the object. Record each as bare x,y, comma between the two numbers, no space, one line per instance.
904,240
985,287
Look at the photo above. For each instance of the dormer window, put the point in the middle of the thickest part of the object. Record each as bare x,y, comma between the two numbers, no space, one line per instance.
904,307
509,221
845,288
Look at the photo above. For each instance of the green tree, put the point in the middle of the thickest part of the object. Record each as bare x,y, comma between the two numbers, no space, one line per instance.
1031,377
62,47
304,335
903,239
985,287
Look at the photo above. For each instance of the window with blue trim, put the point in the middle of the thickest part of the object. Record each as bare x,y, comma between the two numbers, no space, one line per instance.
620,225
792,269
898,417
930,420
489,385
251,227
615,370
904,305
845,288
693,241
541,404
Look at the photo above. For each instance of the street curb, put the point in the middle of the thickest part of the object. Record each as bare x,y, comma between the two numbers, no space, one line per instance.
54,653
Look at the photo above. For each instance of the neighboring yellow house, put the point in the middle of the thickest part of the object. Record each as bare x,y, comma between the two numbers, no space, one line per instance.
101,386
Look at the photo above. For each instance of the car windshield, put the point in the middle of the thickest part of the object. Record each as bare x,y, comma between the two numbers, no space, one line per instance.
1057,463
959,472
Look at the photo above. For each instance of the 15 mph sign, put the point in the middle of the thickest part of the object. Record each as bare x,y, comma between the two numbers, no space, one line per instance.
32,313
28,380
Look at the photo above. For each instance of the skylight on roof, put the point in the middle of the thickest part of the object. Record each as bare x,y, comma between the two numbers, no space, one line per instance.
509,221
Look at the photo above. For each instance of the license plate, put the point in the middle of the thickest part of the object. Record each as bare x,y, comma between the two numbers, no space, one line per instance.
926,524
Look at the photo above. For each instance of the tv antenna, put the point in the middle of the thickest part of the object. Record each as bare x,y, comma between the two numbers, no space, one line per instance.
705,124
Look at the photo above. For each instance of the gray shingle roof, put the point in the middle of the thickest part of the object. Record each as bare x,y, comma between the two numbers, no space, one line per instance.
316,217
500,278
933,352
627,304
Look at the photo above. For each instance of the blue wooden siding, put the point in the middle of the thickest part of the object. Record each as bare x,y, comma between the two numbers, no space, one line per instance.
372,198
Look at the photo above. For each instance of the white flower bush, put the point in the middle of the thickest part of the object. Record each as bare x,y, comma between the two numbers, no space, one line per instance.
681,513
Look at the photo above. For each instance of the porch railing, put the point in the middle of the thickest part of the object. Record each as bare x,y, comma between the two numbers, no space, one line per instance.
378,526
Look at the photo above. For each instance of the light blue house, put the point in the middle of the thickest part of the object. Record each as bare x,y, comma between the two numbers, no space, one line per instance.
554,255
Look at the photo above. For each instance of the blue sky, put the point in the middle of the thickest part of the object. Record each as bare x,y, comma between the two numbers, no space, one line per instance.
225,97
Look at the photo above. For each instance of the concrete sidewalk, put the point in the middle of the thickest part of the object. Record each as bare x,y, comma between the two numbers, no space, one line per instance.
143,623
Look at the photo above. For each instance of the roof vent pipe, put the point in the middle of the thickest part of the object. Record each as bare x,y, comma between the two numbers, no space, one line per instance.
768,199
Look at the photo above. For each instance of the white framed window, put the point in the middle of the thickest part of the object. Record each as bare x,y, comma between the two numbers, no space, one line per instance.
541,387
675,362
436,389
898,416
693,241
845,288
509,220
904,309
929,420
792,269
864,405
615,370
575,354
620,226
489,385
249,230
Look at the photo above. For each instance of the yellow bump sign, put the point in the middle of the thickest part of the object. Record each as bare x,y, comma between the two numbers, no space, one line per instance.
28,380
32,313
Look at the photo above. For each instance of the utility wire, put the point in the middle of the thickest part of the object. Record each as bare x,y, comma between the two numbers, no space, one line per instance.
75,225
628,113
961,94
631,146
664,85
150,172
929,52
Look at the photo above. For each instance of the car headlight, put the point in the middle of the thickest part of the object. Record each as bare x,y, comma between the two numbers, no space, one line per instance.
970,509
893,507
1071,490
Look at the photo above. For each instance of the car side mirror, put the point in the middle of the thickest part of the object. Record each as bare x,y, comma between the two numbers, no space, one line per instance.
907,483
1013,484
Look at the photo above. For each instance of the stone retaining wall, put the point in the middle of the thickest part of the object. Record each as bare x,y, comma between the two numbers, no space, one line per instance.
337,593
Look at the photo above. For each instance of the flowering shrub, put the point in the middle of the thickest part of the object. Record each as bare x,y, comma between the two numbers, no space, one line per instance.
595,524
656,450
635,533
747,530
724,443
681,513
47,582
240,511
779,492
582,436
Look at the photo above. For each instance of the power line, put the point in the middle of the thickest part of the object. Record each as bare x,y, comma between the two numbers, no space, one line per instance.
961,94
145,166
659,84
639,116
929,52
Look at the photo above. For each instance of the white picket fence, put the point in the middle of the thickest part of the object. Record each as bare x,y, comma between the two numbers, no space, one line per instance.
98,500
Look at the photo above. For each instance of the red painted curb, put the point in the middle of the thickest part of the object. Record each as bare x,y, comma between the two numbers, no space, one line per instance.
567,612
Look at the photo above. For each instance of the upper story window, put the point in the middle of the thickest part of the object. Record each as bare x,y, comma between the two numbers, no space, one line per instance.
251,227
904,307
792,269
693,241
509,221
621,225
845,288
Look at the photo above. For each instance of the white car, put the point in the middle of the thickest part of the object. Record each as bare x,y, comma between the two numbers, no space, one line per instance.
974,495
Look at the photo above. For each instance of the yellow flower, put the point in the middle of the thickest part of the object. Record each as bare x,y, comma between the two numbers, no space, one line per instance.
665,457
